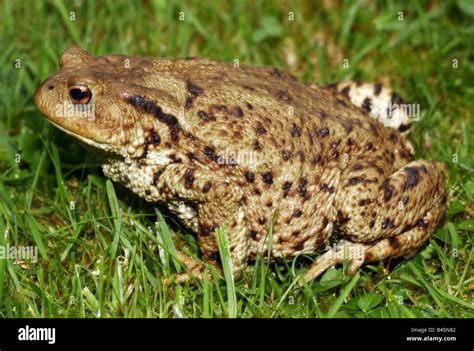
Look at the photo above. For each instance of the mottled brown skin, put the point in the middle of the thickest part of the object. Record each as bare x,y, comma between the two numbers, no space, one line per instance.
169,127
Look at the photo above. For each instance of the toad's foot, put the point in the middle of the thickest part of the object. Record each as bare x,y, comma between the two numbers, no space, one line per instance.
379,102
194,270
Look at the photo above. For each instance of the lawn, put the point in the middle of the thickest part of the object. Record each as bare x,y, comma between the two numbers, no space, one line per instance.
101,253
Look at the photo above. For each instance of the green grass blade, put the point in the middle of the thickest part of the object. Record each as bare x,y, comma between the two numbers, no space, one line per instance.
224,251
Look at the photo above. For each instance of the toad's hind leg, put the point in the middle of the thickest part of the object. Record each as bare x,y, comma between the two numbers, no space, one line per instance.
356,254
385,218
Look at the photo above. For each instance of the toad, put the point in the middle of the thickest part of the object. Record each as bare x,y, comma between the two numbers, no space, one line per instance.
245,147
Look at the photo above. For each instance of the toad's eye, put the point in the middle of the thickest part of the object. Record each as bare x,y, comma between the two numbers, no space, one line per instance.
80,94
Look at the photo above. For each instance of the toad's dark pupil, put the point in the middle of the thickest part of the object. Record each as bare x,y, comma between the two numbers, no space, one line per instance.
79,94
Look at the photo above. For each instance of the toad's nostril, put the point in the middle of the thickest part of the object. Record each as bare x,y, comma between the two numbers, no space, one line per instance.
50,87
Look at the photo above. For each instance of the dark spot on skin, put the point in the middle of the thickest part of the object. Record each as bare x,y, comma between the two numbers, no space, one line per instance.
341,102
345,91
367,105
387,190
50,87
335,153
189,102
283,95
355,180
147,192
295,131
210,152
392,137
316,159
247,87
257,146
323,132
405,200
302,186
144,104
297,213
250,177
192,156
331,189
269,203
323,115
405,154
211,257
325,222
154,139
175,158
193,89
206,230
257,191
267,178
253,234
357,167
299,246
174,134
396,99
324,187
413,177
262,220
260,129
286,188
358,82
286,155
296,233
248,105
393,242
368,146
189,178
371,223
205,117
385,223
404,128
377,89
236,112
207,187
157,175
341,219
422,223
364,202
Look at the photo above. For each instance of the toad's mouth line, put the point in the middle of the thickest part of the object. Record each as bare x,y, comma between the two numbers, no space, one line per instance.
80,137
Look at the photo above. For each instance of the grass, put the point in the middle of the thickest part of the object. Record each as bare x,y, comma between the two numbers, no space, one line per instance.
100,252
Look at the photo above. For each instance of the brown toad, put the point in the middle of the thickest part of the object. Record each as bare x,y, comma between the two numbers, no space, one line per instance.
227,146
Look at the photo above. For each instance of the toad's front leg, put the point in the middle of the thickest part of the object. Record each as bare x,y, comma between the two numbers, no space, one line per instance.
218,203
